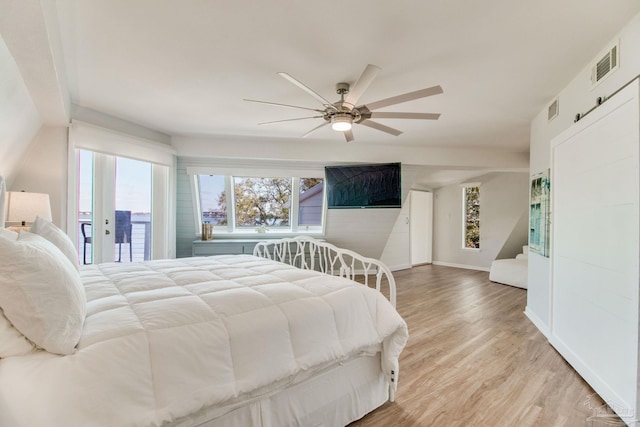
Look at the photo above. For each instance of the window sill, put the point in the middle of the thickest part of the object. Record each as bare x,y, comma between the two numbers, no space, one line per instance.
472,249
253,235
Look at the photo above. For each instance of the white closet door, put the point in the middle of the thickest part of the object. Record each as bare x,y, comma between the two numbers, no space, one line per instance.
595,257
421,227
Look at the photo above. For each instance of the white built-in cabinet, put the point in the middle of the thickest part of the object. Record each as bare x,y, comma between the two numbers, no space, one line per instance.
595,188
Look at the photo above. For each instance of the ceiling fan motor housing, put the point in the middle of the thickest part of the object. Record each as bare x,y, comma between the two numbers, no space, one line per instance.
342,88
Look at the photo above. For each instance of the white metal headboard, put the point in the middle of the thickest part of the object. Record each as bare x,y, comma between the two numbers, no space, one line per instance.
308,253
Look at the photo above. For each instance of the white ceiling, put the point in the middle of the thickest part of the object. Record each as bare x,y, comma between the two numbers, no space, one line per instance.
180,70
183,67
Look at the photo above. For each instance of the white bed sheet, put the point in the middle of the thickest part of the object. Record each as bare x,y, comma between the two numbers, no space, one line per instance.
164,339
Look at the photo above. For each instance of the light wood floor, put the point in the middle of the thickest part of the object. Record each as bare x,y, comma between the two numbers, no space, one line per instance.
474,359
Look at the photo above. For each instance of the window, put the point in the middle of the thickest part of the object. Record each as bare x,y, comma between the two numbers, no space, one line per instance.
310,201
272,205
471,216
213,199
262,202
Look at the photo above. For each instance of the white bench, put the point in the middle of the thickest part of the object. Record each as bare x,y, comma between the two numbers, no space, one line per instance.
511,271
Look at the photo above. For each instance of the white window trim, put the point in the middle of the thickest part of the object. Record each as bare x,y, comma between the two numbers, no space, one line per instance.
257,171
107,141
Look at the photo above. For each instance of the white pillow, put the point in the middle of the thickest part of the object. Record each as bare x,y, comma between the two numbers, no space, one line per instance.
12,342
41,293
49,231
8,234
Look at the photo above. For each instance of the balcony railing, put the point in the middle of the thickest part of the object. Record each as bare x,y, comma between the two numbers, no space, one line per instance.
140,243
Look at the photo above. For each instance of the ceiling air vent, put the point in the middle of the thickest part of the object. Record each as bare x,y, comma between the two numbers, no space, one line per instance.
605,65
552,111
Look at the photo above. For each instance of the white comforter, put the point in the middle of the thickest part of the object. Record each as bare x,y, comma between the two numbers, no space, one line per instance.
163,339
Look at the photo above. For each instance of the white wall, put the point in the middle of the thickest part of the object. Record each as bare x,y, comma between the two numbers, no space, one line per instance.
34,103
577,97
19,119
43,169
376,233
503,201
32,156
365,231
106,121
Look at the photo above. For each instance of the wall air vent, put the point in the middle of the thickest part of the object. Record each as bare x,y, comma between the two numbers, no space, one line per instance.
605,65
553,110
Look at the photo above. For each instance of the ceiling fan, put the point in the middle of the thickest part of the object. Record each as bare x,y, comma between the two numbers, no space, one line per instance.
344,113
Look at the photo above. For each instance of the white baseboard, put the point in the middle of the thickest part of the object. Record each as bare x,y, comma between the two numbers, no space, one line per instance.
625,410
542,327
465,266
399,267
622,408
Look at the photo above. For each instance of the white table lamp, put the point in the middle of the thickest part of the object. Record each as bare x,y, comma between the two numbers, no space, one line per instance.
24,207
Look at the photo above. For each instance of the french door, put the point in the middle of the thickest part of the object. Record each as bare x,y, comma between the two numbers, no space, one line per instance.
114,208
122,188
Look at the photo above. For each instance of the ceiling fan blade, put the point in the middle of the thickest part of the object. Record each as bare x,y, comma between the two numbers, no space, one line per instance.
283,105
348,134
315,129
290,120
381,127
355,92
302,86
390,115
399,99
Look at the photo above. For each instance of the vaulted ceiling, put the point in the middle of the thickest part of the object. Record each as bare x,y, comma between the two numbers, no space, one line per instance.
184,67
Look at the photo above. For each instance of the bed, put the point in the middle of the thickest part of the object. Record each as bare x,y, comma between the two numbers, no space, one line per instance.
300,333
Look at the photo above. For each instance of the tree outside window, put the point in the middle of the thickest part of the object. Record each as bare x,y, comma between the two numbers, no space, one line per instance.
471,220
262,201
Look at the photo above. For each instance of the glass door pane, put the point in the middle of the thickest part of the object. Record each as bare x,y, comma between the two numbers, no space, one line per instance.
132,227
85,207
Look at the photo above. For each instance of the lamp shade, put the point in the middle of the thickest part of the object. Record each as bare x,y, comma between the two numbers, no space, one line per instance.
25,207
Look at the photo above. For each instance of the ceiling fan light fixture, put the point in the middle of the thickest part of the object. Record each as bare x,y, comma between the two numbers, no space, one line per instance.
341,122
346,112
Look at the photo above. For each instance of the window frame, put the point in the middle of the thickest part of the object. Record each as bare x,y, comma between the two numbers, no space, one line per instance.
231,230
464,188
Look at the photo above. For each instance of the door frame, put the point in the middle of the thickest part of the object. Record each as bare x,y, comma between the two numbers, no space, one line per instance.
85,136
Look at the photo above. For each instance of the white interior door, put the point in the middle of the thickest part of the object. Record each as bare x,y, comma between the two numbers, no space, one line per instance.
421,227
